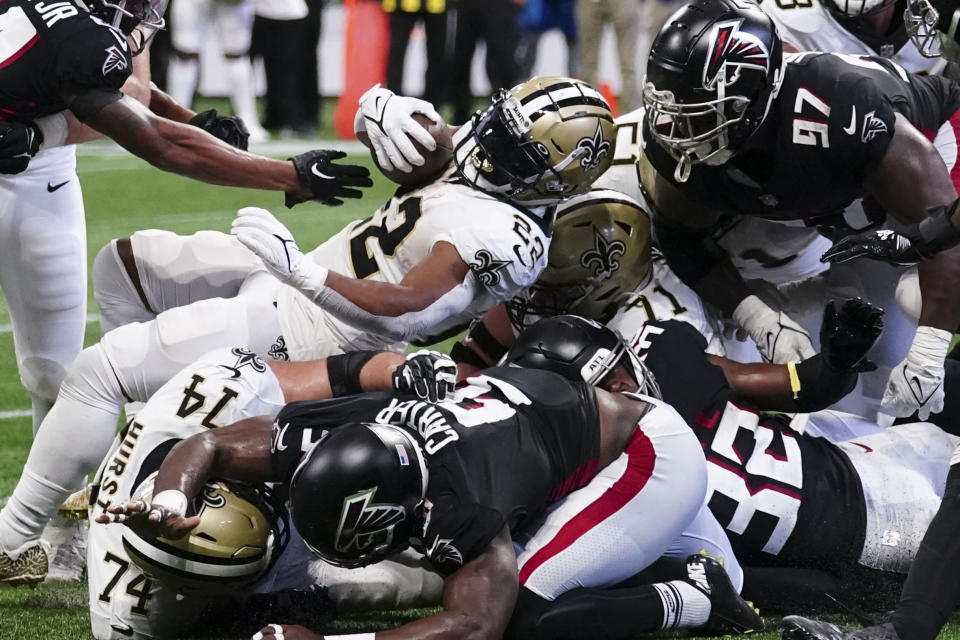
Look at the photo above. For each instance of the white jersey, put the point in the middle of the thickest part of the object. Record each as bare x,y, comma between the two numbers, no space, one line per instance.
664,297
808,25
222,387
505,247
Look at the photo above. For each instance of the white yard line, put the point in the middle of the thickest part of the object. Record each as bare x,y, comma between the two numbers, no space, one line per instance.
18,413
8,327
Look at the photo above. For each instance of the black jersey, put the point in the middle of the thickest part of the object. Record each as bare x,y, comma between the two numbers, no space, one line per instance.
785,499
831,121
506,445
52,49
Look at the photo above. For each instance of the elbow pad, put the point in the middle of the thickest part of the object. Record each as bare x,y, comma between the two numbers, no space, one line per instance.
690,254
819,385
939,231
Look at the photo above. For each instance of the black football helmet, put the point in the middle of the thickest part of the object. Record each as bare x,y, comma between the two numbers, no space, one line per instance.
578,349
714,68
357,496
127,15
932,25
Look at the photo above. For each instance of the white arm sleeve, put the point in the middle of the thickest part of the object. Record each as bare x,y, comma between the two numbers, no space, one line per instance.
405,327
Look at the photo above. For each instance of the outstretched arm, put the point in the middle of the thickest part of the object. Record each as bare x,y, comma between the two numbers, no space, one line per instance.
478,600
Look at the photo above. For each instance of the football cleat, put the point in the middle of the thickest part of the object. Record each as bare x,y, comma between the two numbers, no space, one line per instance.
800,628
729,613
77,505
24,566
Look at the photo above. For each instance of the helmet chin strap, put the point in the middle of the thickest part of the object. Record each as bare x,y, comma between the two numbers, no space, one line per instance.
684,167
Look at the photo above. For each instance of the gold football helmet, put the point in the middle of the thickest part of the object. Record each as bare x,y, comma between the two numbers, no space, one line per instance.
542,141
600,253
242,531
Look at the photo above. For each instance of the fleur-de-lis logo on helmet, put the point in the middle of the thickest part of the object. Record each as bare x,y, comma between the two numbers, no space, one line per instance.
603,257
594,150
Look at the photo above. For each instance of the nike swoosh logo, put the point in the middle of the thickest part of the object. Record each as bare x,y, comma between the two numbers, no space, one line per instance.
53,187
852,129
319,173
236,372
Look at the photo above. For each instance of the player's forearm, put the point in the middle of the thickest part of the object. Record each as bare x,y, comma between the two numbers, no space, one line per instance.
312,380
939,284
166,107
380,298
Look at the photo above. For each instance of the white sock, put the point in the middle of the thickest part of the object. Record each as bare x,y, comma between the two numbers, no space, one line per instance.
243,98
182,79
684,605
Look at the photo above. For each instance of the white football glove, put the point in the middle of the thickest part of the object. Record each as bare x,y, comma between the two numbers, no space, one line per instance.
779,339
264,235
389,124
916,384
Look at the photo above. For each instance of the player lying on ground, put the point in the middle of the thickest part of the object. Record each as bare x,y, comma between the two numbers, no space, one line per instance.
772,487
426,262
461,479
773,123
222,387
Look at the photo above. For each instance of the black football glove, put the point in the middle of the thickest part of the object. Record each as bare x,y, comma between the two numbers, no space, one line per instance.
884,245
19,141
327,182
848,333
429,374
230,129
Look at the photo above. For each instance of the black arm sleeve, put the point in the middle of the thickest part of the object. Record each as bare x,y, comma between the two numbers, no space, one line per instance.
821,386
691,254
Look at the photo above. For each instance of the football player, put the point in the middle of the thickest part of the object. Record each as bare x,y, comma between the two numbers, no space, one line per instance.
932,25
427,261
718,146
224,386
61,61
774,488
370,475
601,265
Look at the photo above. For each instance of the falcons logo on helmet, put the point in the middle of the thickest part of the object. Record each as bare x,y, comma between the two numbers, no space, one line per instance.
731,51
362,523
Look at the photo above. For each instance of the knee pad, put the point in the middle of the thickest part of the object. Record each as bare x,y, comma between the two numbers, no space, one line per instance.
92,380
41,377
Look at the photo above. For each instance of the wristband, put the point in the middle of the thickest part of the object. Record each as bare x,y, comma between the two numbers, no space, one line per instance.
794,379
172,501
343,372
54,129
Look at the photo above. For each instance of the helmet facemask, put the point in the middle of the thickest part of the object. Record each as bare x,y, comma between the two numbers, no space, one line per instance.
922,21
503,150
127,15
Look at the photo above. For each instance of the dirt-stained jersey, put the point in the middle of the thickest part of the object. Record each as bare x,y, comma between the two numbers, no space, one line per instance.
504,446
49,46
775,491
808,25
505,246
832,120
222,387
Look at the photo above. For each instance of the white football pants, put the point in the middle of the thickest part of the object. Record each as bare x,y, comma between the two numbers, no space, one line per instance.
43,270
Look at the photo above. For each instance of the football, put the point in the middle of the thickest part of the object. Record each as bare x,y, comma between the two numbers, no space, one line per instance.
434,161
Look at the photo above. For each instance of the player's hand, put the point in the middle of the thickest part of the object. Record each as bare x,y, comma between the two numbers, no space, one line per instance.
429,374
285,632
884,245
150,520
390,126
848,332
230,129
258,230
324,181
779,339
19,141
916,384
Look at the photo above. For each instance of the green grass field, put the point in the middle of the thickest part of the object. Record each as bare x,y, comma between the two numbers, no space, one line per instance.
122,195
